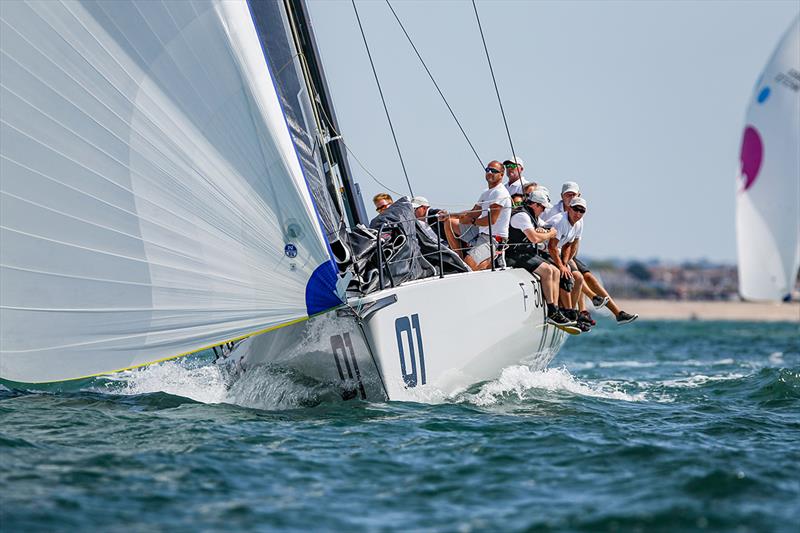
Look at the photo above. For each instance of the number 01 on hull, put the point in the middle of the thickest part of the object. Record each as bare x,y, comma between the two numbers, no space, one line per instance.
424,340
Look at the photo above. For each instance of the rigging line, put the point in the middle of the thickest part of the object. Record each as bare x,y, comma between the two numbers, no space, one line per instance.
367,170
383,100
329,124
480,161
494,80
351,152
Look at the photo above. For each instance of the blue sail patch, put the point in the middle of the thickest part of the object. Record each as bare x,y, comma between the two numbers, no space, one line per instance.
321,289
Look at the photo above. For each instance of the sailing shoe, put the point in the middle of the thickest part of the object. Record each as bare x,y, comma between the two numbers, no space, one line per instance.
585,327
557,319
571,314
599,301
586,317
624,318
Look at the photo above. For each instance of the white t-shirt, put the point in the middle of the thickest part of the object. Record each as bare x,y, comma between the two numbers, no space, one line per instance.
498,195
518,186
522,222
565,232
557,209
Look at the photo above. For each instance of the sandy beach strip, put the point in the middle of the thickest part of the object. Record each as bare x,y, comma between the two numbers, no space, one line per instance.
690,310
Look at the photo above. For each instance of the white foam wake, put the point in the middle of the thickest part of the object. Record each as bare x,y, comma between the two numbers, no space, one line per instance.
263,390
521,381
204,383
258,388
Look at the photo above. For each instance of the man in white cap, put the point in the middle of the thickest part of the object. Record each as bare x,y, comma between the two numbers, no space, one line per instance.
516,181
525,241
591,285
493,204
424,213
569,190
562,248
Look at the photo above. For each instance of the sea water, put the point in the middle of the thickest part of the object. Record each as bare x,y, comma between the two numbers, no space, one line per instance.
669,426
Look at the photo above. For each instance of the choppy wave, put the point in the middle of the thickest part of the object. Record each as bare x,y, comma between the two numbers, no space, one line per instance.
651,427
258,388
200,382
521,383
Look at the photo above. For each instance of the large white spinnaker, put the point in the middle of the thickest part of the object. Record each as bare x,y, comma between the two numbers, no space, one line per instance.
768,195
152,199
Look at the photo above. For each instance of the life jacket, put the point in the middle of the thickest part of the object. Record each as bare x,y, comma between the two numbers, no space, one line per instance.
519,245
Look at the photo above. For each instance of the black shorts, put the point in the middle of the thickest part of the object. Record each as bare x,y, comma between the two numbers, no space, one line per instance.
583,268
572,266
528,262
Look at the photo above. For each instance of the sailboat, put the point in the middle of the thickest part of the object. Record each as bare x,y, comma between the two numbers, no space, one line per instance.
768,196
170,185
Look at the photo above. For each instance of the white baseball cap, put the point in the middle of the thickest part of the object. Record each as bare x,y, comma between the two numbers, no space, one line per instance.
540,197
517,160
570,186
420,201
578,201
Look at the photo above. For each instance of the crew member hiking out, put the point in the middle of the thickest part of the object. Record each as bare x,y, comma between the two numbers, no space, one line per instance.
525,239
563,248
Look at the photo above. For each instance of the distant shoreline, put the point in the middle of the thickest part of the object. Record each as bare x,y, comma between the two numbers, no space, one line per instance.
711,310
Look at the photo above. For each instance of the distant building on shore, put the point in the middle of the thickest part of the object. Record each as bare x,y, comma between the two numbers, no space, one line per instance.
697,280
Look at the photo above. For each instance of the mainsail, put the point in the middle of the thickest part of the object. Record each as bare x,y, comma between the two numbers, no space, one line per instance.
768,197
153,201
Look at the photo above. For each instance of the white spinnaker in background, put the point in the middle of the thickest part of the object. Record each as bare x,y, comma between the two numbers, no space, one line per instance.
768,189
149,186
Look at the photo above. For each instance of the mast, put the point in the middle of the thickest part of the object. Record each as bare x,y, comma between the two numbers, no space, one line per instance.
306,42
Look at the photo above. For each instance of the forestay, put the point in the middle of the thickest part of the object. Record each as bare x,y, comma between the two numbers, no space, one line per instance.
152,199
768,197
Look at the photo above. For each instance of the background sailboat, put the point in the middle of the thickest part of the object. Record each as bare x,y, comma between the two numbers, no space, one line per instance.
768,196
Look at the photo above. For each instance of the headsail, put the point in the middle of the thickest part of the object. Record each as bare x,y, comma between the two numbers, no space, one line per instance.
153,203
768,196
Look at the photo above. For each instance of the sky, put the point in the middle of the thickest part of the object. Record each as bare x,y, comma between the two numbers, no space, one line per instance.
642,103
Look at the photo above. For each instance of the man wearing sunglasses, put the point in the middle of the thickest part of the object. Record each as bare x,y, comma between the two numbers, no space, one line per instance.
516,181
472,227
382,201
563,248
591,285
525,241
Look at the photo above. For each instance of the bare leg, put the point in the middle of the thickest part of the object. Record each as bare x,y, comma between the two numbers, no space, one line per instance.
549,276
473,265
575,296
485,264
452,236
594,284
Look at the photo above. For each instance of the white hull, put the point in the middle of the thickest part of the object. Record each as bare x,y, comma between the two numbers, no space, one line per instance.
421,341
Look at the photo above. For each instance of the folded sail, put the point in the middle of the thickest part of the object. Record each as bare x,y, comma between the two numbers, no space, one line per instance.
153,203
768,197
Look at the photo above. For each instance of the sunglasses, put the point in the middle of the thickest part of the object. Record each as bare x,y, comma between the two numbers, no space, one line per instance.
381,207
510,166
537,203
493,170
579,210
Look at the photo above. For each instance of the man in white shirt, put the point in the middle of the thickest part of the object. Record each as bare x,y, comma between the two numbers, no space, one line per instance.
592,287
563,248
525,241
569,190
494,205
516,181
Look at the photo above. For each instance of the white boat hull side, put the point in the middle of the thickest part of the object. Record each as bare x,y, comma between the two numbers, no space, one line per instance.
444,335
327,348
439,337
